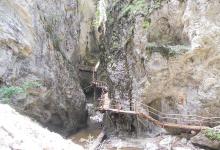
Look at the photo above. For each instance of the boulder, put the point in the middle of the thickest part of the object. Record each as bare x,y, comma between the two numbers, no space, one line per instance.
20,132
202,140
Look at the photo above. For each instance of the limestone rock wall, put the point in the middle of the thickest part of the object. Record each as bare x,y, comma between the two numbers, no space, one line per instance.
164,54
39,41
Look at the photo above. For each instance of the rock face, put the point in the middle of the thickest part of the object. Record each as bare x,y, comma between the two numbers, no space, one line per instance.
39,42
164,54
19,132
202,140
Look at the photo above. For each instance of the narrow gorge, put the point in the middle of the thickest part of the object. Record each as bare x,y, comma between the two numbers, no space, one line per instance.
110,74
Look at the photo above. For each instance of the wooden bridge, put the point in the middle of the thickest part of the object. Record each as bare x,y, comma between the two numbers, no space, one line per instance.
178,121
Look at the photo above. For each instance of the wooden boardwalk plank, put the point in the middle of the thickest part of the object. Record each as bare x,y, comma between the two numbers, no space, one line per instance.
120,111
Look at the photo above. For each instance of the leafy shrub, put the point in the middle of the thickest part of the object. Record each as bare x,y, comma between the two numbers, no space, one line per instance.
143,6
96,21
212,134
33,84
6,93
135,7
146,24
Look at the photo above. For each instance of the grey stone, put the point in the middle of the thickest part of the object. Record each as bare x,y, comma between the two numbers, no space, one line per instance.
203,141
170,65
20,132
39,41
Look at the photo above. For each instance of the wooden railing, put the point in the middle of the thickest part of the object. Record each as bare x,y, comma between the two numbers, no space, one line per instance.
100,84
190,122
180,121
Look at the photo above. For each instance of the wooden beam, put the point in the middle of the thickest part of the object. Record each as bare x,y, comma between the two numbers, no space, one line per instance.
119,111
86,68
98,141
96,66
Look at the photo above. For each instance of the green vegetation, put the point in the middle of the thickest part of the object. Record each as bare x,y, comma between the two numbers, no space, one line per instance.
212,134
96,20
146,24
163,50
157,4
6,93
135,7
56,42
32,84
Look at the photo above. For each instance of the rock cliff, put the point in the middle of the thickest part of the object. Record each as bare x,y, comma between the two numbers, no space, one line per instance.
39,41
164,54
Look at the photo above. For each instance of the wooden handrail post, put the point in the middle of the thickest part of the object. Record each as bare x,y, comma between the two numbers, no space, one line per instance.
93,74
135,106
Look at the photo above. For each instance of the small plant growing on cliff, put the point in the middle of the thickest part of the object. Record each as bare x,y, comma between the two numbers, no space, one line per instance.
96,20
146,24
212,134
6,93
33,84
135,7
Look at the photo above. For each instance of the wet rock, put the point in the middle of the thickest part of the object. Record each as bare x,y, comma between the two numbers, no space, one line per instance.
20,132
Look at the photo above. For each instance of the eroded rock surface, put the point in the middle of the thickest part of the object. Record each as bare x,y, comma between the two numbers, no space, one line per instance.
39,42
207,140
19,132
165,55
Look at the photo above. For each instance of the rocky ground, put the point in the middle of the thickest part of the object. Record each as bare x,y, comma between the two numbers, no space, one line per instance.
20,132
161,142
165,142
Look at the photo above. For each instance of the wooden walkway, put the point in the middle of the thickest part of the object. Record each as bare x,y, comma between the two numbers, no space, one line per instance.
192,120
157,122
106,107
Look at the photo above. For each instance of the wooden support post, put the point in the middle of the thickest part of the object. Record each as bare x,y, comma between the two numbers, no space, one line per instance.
135,106
98,141
93,74
96,76
93,80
